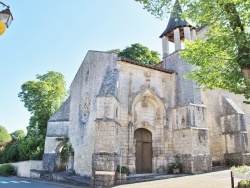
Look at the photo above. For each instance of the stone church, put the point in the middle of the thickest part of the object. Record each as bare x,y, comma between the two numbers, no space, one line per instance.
121,112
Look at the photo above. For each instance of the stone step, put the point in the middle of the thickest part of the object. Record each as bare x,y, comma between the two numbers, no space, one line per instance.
219,168
147,177
67,178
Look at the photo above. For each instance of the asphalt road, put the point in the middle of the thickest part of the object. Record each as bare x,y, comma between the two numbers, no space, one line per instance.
217,179
220,179
14,182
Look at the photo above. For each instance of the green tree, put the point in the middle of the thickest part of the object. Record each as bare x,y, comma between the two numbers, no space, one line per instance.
31,148
139,53
11,153
115,51
224,58
17,135
4,136
42,98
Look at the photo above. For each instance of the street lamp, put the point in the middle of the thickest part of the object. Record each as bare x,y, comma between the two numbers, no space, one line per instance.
5,18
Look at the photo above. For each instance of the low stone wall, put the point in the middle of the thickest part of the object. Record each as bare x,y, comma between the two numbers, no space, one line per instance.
196,164
23,168
192,164
237,159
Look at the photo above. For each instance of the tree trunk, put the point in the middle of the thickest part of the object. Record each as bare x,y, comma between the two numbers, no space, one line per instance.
246,75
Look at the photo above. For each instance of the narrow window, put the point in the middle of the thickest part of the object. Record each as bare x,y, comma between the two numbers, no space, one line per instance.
116,112
87,76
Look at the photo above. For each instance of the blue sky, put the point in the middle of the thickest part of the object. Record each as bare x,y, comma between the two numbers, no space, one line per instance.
56,35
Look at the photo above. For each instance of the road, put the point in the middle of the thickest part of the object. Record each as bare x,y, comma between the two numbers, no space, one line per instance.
219,179
14,182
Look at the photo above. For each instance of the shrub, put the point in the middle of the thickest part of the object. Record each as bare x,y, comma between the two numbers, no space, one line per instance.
7,170
124,169
240,169
244,184
172,166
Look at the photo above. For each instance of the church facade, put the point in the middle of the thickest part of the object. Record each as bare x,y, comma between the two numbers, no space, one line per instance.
121,112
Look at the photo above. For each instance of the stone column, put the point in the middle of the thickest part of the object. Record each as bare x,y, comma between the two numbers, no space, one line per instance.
193,34
165,46
177,39
187,33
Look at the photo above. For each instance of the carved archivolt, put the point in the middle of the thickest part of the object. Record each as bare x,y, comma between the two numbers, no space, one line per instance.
148,110
135,116
144,102
143,89
158,114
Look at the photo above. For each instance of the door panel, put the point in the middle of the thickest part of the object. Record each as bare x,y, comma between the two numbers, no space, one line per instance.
147,157
143,152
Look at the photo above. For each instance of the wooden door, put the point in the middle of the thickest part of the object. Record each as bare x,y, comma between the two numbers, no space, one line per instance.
143,152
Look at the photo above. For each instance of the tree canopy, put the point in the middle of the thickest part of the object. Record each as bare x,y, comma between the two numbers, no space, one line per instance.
139,53
42,97
223,59
4,136
17,135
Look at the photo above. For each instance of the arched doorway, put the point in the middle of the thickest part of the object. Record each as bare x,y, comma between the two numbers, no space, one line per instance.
143,153
64,159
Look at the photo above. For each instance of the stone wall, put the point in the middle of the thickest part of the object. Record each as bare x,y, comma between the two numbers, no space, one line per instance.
138,84
225,123
192,141
58,129
104,166
237,159
191,164
51,162
106,133
186,91
23,168
83,91
74,122
195,164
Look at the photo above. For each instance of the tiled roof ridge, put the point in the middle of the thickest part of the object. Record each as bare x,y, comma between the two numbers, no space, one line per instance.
145,65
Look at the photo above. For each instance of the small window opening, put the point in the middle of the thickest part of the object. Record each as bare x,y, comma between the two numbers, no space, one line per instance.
116,112
87,76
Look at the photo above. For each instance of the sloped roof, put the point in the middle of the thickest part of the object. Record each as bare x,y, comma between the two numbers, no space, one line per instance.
158,68
175,20
62,114
108,87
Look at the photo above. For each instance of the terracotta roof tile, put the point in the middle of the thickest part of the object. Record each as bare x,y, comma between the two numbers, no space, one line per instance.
145,65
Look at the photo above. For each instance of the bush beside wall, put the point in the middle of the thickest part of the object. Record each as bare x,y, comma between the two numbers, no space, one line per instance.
7,170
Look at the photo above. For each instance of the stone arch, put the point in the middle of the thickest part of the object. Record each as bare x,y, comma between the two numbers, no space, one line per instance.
60,146
146,128
154,102
52,160
149,115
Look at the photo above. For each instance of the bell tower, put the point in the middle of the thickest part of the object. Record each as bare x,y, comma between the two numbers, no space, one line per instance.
178,30
190,134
